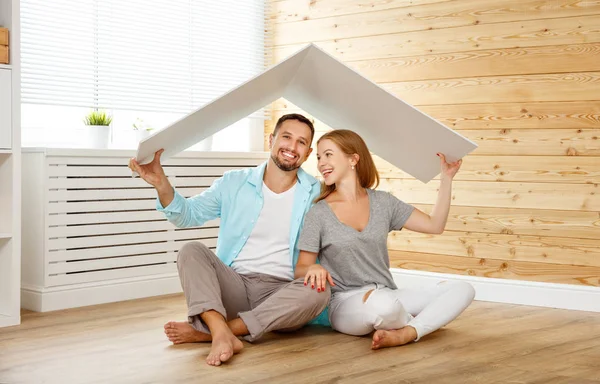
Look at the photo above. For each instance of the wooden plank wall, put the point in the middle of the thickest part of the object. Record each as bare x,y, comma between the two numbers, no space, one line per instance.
520,78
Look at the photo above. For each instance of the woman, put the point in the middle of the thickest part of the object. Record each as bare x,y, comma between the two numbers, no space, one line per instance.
347,230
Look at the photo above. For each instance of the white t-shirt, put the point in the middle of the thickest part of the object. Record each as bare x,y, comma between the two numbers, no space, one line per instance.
267,249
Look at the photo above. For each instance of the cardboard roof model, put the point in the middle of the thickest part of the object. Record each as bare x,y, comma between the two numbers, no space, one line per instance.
334,94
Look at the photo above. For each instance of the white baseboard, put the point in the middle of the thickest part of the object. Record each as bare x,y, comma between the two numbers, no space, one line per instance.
9,321
563,296
81,295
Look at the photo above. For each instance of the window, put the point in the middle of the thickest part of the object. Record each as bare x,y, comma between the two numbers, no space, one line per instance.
147,63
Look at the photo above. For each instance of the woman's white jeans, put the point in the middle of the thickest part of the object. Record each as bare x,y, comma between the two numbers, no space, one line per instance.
425,309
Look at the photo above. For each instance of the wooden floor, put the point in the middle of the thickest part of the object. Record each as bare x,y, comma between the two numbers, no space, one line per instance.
124,343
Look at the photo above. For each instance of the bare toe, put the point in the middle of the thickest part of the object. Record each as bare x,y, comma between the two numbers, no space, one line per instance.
169,325
393,338
378,337
183,332
225,356
223,348
213,360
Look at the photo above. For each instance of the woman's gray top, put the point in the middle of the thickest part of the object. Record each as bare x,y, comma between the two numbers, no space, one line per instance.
355,259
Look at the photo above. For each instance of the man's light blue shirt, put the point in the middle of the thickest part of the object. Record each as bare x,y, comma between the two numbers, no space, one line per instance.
237,199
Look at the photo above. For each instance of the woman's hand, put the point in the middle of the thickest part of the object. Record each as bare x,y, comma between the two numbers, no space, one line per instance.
318,276
435,222
449,170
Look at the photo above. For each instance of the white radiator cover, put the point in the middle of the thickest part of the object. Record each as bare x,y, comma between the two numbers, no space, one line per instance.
91,233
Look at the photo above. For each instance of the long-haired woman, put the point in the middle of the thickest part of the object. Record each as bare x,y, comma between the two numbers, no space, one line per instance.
347,230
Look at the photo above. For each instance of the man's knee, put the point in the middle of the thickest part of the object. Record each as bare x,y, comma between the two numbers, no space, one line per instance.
193,250
317,300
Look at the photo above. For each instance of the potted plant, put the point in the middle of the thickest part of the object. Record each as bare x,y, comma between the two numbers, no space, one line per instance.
98,129
142,130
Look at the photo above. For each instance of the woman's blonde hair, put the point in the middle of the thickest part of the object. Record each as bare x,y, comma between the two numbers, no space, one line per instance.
351,143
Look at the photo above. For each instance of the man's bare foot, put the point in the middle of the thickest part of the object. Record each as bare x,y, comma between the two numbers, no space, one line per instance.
224,346
393,338
180,332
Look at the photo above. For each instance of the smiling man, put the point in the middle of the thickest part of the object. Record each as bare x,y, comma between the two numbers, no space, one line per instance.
247,288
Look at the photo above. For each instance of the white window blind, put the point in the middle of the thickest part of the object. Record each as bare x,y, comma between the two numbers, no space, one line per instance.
169,56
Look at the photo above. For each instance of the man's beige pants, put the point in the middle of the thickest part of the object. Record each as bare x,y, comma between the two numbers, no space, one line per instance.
265,303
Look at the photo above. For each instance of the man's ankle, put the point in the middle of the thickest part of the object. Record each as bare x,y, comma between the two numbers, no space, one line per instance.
215,322
238,327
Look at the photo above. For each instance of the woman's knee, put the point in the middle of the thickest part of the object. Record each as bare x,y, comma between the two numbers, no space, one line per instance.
385,311
463,290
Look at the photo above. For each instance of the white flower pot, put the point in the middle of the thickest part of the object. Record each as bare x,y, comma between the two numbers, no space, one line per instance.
97,136
141,134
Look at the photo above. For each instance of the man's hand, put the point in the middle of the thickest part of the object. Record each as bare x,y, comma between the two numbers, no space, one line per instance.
154,175
151,173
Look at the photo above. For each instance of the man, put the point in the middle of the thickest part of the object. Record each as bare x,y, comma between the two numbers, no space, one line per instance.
248,287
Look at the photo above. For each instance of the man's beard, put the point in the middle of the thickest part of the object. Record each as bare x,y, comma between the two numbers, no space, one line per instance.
284,167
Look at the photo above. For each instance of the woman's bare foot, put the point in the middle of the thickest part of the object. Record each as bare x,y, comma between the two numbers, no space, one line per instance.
180,332
224,346
393,338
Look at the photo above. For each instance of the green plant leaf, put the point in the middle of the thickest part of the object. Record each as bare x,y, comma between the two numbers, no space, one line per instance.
97,118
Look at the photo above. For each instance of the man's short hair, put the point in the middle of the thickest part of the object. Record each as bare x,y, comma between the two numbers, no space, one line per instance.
298,117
